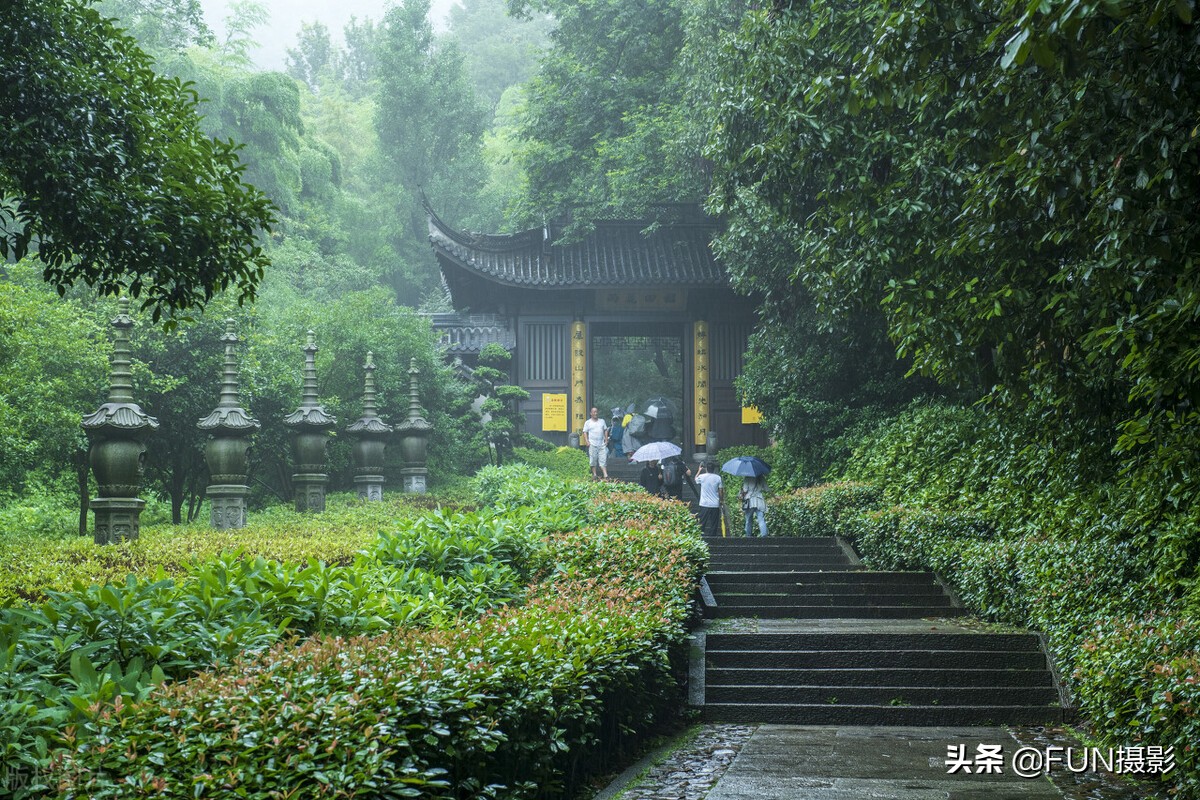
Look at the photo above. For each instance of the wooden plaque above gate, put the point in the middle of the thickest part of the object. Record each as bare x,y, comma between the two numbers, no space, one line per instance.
641,299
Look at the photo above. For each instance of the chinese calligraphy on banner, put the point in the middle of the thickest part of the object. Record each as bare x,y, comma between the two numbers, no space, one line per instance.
701,387
579,411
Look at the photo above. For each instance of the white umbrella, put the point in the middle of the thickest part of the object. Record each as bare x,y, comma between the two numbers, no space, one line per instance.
656,451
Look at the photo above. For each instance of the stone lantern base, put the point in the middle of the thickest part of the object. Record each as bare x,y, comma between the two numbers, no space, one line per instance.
117,519
227,505
414,479
370,487
310,490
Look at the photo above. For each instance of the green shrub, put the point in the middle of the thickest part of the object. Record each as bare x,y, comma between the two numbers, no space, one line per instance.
568,462
1139,677
817,511
82,651
520,702
1033,522
40,564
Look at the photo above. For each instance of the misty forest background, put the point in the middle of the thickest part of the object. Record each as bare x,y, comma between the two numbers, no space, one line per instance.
972,234
971,229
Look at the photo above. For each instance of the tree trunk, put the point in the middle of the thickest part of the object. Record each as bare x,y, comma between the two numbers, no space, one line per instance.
81,473
175,487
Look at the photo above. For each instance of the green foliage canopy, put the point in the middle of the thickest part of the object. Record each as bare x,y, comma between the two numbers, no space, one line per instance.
104,169
1014,184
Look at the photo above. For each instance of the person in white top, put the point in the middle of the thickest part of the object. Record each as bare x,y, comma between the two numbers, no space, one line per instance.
596,431
712,490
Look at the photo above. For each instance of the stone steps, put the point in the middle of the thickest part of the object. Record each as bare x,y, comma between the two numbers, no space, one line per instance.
851,646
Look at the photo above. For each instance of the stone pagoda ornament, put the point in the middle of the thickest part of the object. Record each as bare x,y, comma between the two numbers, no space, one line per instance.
370,433
311,425
117,432
230,428
414,437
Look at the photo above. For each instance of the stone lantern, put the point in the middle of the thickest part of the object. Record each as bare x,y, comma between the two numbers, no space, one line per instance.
230,427
370,434
311,425
117,432
414,437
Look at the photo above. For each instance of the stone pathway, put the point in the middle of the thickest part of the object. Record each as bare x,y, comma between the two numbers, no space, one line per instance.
790,762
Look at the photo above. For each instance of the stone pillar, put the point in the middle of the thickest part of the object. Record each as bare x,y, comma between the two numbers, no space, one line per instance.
231,427
117,432
414,438
370,434
311,425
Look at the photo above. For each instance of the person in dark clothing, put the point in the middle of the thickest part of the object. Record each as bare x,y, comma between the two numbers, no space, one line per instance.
651,478
674,473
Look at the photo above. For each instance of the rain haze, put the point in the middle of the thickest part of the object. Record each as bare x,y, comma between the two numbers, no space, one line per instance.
286,16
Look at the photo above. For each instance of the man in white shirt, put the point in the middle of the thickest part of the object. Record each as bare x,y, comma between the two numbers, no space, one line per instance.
712,488
596,431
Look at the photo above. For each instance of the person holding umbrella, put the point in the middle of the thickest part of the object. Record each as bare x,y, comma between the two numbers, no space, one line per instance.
754,503
651,478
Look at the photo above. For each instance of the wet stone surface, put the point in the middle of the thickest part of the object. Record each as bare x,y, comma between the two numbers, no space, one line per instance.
689,772
795,763
1085,785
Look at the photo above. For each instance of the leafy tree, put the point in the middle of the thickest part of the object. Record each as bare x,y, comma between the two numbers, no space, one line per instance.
429,125
1014,185
160,26
610,126
313,56
358,61
500,50
501,402
53,368
105,170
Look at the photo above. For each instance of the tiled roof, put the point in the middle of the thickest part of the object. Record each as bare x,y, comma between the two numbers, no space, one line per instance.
468,333
615,253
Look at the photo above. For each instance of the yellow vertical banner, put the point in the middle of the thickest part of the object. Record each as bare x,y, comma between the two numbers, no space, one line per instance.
700,391
579,409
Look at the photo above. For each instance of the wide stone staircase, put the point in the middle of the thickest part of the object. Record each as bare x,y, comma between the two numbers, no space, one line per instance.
803,634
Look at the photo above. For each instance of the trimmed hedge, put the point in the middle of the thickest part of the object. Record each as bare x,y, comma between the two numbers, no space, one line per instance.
81,650
38,564
817,511
567,462
520,701
1129,655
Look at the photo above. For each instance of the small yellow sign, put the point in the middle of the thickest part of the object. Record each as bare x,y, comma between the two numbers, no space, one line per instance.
751,415
554,412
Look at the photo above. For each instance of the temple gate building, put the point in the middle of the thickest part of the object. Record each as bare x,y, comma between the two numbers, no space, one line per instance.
628,313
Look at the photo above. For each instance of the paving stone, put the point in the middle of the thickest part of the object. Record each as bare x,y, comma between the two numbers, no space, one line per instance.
792,762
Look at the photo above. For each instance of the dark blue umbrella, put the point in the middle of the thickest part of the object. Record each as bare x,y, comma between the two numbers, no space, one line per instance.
746,466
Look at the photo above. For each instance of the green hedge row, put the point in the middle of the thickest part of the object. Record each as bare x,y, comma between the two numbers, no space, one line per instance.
1129,655
518,701
39,560
82,650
